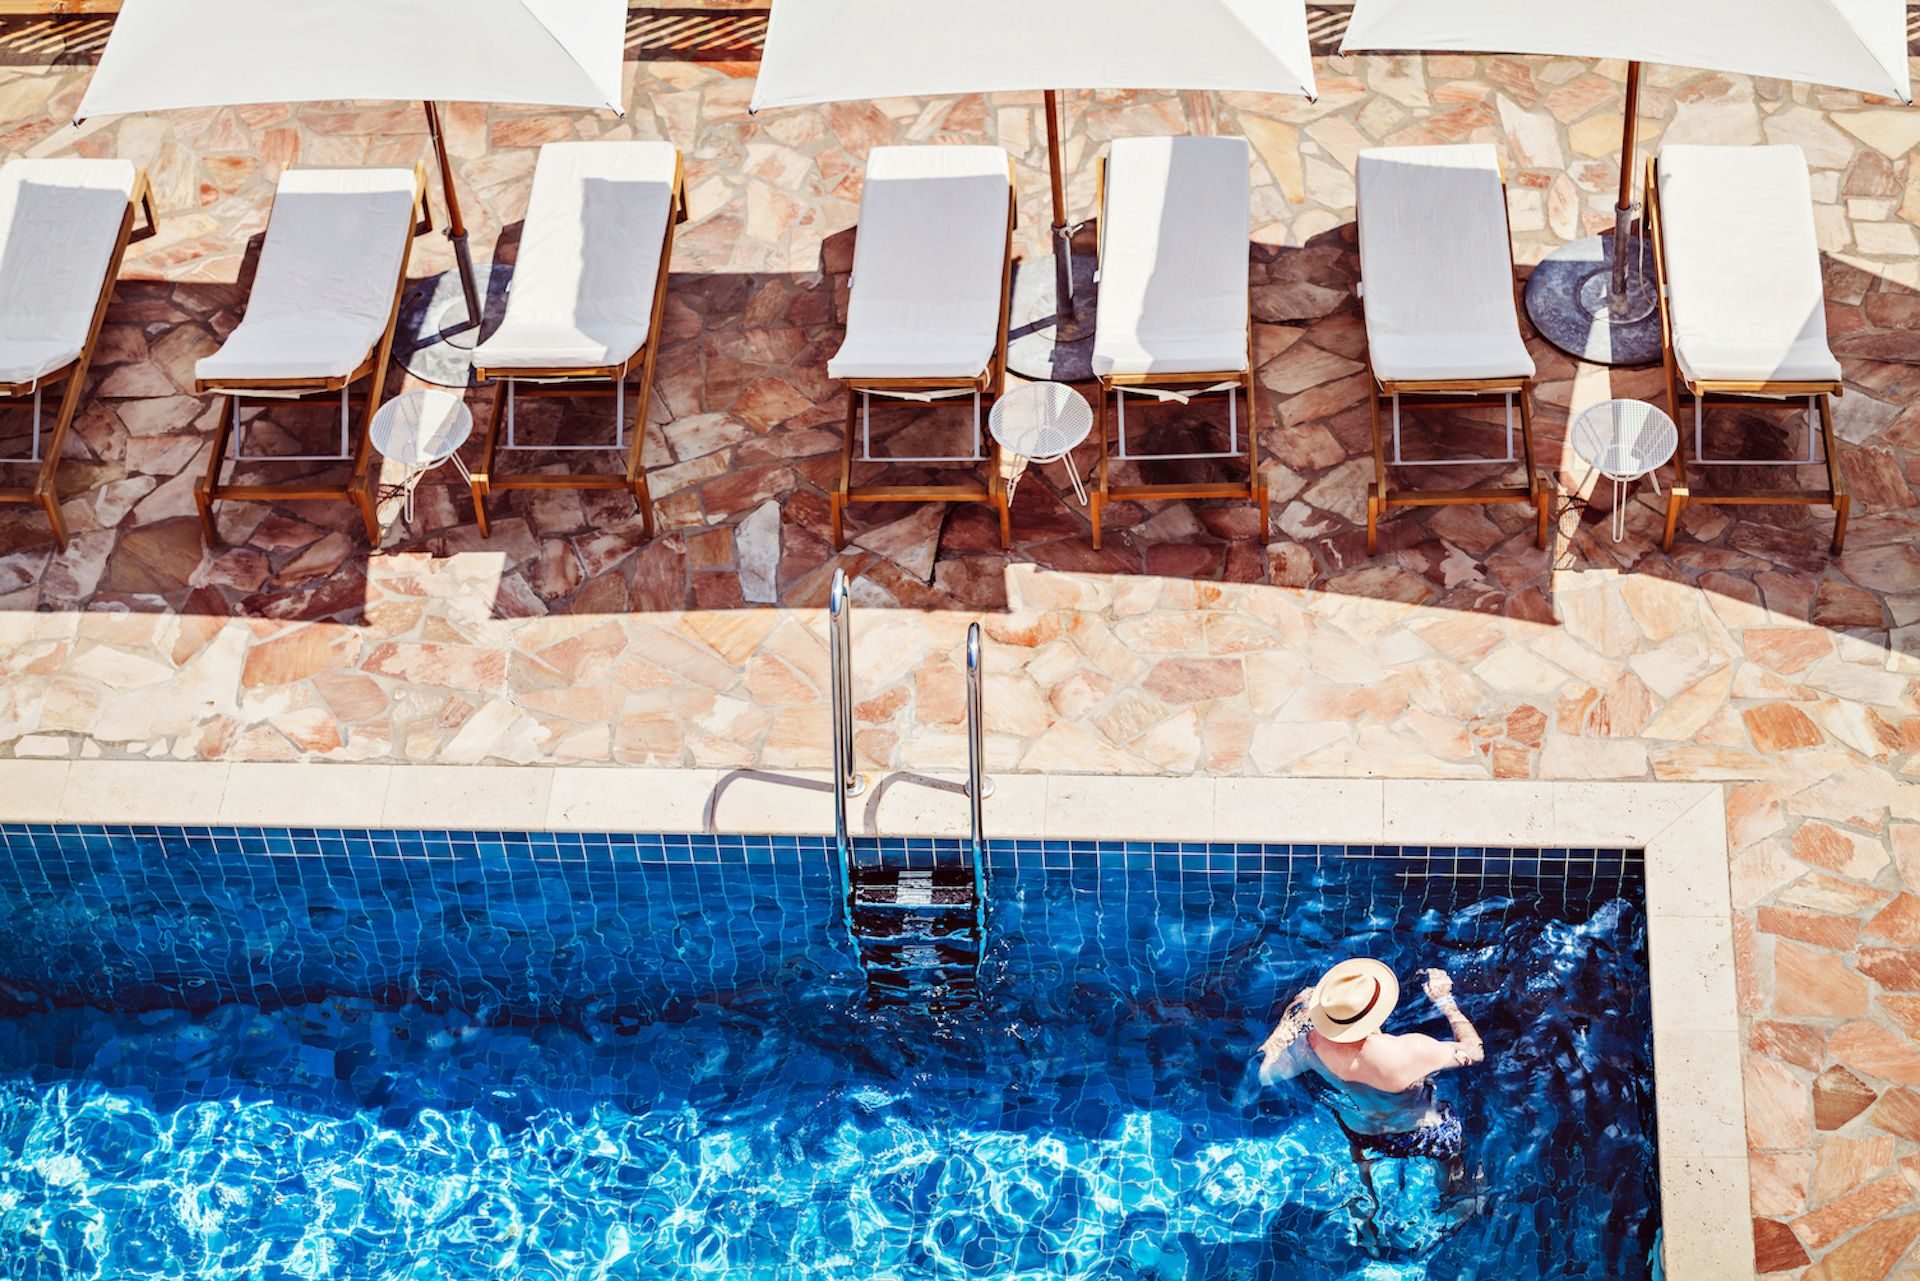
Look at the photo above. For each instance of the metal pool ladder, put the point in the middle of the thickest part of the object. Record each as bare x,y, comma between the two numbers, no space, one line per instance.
919,932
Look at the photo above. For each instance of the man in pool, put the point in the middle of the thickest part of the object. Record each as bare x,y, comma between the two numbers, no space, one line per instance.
1378,1084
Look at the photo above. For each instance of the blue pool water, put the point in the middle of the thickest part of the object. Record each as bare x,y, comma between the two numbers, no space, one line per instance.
447,1055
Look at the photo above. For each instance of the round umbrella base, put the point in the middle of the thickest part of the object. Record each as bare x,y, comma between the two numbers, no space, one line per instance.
1568,302
435,337
1039,346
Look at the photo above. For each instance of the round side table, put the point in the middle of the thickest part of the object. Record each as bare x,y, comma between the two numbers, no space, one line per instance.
1624,440
420,430
1042,423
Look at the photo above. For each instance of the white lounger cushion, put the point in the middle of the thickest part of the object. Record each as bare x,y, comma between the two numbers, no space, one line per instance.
323,292
59,224
1436,265
582,292
927,264
1743,265
1173,265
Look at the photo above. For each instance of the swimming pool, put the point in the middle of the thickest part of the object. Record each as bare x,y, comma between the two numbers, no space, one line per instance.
323,1053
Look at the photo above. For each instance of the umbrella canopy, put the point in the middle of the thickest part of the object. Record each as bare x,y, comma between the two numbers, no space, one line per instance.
165,55
1851,44
1584,297
834,50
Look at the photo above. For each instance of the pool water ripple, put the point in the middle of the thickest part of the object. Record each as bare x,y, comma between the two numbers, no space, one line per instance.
747,1116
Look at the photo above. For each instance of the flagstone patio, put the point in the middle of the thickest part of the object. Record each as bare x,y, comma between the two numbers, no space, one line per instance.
1193,641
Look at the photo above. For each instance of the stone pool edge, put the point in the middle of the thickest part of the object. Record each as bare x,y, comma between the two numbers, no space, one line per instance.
1704,1175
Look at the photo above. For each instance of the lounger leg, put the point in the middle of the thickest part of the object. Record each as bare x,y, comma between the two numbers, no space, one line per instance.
45,487
1676,500
1836,479
837,502
477,477
363,498
1542,492
1099,496
1377,496
643,498
1255,476
207,489
1677,492
365,475
50,503
636,462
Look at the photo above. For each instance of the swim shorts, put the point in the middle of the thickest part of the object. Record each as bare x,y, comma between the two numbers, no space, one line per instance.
1440,1139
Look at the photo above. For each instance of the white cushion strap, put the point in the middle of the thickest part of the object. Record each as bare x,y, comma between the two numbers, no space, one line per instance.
1165,394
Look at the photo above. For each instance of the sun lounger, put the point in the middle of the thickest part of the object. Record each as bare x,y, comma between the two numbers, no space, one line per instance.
585,305
319,319
1175,321
1742,310
927,310
1442,316
64,226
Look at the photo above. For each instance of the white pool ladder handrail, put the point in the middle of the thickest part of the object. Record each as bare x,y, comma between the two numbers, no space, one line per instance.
846,783
979,786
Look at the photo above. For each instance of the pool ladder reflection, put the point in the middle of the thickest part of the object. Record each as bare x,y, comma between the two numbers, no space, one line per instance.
919,932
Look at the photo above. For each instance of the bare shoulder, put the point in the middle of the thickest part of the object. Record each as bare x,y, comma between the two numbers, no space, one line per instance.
1413,1056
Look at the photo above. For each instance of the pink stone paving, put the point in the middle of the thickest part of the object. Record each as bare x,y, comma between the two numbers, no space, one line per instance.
1194,642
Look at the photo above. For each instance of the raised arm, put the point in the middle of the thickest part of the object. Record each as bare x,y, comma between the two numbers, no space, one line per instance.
1280,1057
1465,1049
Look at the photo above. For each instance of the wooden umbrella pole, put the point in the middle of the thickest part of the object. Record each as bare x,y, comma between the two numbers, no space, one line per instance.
1627,136
1623,209
1065,304
456,227
1053,161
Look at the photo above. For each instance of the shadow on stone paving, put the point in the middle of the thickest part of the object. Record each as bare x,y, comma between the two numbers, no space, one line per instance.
744,448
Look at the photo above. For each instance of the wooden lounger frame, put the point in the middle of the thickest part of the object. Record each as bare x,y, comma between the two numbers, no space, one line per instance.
564,381
1457,393
43,492
358,487
1723,392
1253,489
991,382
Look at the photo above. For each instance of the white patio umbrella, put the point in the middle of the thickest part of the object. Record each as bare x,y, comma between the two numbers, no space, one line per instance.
167,55
1581,298
836,50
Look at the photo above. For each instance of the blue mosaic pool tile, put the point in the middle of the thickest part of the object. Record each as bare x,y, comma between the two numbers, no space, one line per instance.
397,884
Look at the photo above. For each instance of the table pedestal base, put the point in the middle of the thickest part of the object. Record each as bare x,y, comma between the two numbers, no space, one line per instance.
435,337
1567,300
1039,346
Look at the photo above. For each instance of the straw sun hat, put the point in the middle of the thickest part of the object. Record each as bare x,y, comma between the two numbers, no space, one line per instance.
1354,999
